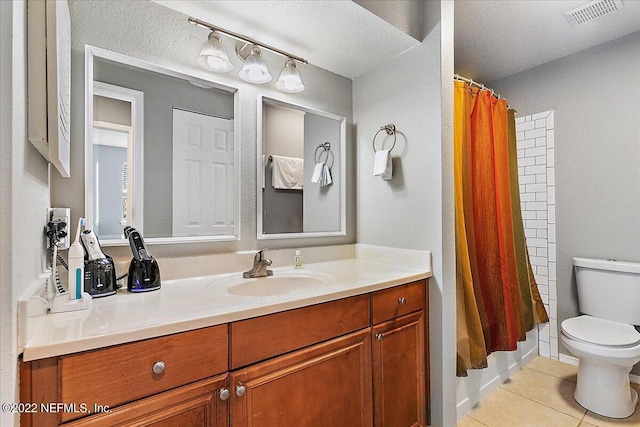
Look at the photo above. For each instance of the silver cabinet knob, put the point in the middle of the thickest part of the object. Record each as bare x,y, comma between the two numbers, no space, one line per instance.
158,367
379,337
402,301
240,390
224,393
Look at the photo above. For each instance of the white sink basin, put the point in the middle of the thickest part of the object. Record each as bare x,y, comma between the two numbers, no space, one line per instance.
278,284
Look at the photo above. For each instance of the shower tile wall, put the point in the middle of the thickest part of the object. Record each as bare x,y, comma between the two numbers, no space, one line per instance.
536,173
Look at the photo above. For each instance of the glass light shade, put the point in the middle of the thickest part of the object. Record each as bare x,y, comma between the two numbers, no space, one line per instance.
289,80
255,68
213,55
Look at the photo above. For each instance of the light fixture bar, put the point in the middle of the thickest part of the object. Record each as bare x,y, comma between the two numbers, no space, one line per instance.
244,39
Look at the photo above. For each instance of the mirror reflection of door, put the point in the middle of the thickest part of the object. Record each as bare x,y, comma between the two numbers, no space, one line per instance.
112,156
203,172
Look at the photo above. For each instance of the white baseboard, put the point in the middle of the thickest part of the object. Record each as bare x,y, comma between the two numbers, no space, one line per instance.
502,371
574,361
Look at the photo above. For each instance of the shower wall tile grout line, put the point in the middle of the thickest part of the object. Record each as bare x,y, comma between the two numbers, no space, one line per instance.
536,173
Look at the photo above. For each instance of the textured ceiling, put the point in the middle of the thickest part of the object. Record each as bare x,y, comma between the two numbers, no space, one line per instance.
340,36
495,39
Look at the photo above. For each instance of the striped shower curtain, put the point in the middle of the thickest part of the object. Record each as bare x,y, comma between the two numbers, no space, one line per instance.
497,297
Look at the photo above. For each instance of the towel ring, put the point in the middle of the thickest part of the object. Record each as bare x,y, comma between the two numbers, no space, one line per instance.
326,148
390,129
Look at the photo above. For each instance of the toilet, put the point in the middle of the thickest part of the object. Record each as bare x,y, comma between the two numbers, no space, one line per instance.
604,338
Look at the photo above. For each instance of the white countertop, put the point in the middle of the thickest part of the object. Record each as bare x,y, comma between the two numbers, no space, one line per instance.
192,303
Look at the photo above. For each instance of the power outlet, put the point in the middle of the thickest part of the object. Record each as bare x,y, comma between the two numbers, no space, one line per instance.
62,215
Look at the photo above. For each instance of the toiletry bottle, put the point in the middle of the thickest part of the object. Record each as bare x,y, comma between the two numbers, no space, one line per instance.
76,265
297,260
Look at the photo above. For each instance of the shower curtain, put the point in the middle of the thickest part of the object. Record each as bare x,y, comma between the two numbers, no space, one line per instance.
497,297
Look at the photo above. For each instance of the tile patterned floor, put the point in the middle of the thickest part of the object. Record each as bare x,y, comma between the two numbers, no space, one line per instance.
540,395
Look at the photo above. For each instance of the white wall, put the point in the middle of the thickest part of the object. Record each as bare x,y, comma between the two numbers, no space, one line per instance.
24,197
595,96
113,25
414,210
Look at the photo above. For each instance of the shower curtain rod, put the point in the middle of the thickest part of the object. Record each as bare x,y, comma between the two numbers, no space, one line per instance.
481,86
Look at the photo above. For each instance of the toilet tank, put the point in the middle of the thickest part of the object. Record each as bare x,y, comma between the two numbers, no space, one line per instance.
609,289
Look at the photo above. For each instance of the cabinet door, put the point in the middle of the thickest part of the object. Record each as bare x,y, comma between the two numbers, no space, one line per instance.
324,385
201,404
399,372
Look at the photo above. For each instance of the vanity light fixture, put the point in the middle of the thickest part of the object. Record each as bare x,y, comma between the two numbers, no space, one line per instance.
213,55
289,80
255,68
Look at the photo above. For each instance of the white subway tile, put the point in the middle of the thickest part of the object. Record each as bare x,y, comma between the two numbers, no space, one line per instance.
541,177
528,232
551,176
541,234
544,349
542,252
529,215
550,157
520,153
543,332
552,233
525,126
540,123
526,143
537,243
535,133
537,151
519,135
550,139
523,189
543,281
544,297
551,211
541,160
553,342
552,252
533,188
544,289
519,120
542,197
527,179
541,142
538,261
550,119
533,170
527,197
552,289
551,194
553,328
520,171
537,206
553,309
536,223
552,271
527,118
526,161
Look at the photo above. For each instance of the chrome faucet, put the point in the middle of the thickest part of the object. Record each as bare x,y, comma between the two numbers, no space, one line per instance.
260,264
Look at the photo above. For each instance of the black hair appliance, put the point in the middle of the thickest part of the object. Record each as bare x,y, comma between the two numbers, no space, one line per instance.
144,273
99,269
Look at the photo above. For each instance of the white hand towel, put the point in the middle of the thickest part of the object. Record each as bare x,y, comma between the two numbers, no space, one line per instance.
382,165
287,173
317,171
325,178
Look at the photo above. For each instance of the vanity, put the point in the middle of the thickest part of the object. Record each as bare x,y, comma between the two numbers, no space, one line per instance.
350,349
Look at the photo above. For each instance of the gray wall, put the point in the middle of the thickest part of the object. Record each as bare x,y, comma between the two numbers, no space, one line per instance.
595,95
161,94
414,210
125,27
283,136
321,204
24,196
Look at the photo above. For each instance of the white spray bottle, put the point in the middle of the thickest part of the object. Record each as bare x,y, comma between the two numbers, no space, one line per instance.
75,298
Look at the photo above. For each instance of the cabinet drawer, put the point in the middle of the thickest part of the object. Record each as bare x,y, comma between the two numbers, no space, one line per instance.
398,301
260,338
123,373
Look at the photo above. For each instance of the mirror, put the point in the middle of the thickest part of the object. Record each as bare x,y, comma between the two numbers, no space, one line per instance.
301,165
160,152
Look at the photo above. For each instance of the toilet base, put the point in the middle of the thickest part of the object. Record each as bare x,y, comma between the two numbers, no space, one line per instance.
605,390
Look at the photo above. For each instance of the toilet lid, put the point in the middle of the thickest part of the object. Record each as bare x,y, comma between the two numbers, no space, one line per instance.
601,331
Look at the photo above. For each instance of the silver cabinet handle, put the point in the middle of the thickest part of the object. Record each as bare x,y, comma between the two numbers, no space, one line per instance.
402,300
240,390
379,337
224,393
158,367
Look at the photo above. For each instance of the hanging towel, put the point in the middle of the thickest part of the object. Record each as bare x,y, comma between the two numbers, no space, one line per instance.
382,165
287,173
317,171
322,175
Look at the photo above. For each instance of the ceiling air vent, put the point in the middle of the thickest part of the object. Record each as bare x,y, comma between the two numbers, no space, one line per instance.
593,10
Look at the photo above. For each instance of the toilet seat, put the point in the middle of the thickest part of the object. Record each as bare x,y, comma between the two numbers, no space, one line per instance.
601,332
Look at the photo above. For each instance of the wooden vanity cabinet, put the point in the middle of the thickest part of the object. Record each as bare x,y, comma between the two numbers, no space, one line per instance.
357,361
